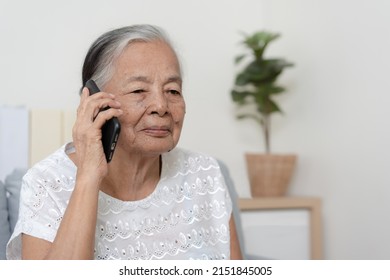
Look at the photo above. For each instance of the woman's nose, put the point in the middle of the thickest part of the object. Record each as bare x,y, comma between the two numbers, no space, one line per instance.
159,104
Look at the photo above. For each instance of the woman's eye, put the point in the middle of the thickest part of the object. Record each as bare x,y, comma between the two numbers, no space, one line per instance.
138,91
174,92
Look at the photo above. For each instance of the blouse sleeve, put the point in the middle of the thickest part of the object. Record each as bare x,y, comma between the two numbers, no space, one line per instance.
42,203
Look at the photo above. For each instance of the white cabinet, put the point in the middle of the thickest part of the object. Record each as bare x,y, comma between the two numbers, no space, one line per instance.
282,227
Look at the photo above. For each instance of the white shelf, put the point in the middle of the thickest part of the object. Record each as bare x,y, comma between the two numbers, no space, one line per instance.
289,226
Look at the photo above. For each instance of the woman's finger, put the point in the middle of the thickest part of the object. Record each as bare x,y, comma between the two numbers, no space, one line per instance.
105,115
90,106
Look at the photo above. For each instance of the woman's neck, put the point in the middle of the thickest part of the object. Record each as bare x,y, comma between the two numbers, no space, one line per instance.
131,179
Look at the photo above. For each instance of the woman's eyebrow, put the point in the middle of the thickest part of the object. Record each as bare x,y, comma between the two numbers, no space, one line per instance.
138,79
175,79
172,79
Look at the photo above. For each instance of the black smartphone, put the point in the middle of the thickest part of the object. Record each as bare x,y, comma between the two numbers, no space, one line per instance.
110,130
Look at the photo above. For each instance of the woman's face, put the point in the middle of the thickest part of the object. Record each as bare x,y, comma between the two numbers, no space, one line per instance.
147,82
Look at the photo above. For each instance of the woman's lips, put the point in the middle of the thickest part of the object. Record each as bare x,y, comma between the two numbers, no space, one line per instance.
157,131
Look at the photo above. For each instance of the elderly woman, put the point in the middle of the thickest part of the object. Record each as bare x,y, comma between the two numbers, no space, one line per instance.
152,200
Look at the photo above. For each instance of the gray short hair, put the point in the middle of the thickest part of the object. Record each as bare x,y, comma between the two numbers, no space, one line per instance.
98,63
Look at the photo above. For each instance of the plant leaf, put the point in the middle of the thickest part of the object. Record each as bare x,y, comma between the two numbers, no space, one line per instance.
249,116
239,58
256,82
240,96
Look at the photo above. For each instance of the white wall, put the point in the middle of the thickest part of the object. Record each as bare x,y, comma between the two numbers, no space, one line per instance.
336,116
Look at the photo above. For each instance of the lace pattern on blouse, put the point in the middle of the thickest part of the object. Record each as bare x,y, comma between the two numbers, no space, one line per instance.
186,217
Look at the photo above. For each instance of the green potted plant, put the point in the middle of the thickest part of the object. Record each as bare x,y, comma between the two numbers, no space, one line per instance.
255,84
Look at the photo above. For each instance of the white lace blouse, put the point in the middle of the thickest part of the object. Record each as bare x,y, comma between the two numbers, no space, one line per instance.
186,217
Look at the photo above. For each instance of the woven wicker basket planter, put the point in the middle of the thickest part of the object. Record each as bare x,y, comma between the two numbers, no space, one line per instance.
269,174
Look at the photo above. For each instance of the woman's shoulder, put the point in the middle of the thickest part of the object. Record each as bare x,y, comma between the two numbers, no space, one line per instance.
55,166
189,157
185,161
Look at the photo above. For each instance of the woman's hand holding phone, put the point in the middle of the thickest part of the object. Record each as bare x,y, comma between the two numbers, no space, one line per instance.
87,131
